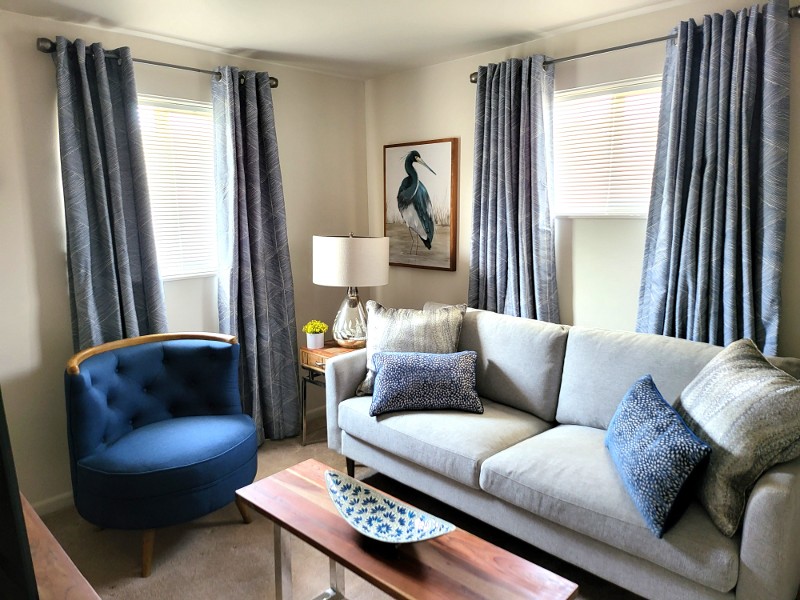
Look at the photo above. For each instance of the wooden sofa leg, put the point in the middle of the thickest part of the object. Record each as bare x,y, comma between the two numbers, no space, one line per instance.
148,541
240,504
351,467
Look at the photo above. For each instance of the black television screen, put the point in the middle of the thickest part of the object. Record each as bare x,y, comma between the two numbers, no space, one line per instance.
17,580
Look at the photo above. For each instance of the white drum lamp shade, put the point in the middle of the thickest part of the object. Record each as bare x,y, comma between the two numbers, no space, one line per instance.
350,261
345,261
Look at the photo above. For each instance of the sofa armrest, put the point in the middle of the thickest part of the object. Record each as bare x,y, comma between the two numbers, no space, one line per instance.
342,375
769,561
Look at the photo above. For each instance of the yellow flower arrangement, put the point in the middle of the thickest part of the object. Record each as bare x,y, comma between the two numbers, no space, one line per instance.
315,326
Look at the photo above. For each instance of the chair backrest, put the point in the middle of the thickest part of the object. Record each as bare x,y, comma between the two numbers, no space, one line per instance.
117,387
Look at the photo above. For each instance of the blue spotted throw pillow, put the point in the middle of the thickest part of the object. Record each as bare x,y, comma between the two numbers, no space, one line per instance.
656,454
423,381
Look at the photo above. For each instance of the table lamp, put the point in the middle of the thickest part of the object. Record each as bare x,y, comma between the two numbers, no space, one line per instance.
351,261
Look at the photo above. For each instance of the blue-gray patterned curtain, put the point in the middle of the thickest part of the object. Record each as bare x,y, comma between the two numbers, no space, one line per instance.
512,268
717,219
115,287
256,292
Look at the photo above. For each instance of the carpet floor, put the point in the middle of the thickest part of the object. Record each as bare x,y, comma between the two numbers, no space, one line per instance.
219,557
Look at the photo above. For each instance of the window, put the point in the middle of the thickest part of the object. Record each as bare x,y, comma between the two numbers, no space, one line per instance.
605,144
178,150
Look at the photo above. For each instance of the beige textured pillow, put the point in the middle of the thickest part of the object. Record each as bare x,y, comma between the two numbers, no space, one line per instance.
748,411
434,331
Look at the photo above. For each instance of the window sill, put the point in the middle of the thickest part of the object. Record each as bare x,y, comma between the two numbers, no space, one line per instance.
639,217
189,276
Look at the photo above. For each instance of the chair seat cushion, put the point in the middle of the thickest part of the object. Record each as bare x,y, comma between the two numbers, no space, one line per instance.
169,457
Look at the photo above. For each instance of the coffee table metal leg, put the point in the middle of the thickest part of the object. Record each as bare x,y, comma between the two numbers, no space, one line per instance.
283,562
336,591
337,578
281,540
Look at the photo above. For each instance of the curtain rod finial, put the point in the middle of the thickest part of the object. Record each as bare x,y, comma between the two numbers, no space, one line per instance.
45,45
473,77
794,11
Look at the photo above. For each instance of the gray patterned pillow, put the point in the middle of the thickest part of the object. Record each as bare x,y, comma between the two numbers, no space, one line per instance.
421,381
749,413
434,331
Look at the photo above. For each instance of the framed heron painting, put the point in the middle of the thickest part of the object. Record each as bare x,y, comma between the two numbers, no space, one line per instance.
420,181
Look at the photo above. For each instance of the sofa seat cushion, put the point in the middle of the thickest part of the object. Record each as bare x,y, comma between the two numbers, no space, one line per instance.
169,457
566,475
447,442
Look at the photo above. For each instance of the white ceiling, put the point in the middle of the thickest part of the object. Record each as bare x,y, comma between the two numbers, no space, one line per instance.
355,38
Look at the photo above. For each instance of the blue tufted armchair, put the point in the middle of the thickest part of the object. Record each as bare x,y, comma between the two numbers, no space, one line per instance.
156,432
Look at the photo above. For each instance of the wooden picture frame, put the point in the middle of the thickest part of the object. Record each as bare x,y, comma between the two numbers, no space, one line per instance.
426,240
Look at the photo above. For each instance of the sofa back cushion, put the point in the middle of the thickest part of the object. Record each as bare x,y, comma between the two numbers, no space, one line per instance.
519,360
600,366
786,363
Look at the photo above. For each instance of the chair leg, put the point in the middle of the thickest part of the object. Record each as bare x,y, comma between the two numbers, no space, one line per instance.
351,467
240,504
148,541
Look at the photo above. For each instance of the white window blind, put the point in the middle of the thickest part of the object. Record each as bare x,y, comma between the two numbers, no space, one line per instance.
178,145
604,144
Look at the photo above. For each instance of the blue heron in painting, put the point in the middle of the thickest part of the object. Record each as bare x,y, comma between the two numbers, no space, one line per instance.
415,203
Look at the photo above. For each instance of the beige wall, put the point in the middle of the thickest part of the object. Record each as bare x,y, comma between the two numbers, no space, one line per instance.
599,261
321,132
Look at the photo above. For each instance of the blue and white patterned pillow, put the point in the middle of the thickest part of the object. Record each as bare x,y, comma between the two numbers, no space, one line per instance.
424,381
656,454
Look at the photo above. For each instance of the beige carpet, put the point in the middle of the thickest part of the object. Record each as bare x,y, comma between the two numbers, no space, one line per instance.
219,557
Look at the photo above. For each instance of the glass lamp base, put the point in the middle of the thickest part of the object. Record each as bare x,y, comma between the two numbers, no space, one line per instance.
350,325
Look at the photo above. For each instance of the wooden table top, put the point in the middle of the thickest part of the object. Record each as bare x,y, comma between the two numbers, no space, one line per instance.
57,577
316,358
454,565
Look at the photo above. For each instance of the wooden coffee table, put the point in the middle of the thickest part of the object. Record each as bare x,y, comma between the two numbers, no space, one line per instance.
455,565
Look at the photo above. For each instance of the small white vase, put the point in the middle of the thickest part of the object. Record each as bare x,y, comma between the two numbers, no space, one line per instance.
315,340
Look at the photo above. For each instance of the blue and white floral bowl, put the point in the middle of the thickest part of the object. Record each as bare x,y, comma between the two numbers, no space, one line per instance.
379,517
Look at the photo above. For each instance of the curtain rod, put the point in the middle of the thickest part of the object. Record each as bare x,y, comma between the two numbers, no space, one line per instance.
473,77
49,46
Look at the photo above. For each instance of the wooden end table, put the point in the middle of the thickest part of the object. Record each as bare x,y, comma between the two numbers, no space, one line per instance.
455,565
313,361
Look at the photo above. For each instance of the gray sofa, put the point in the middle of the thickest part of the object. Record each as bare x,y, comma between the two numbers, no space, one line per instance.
534,463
